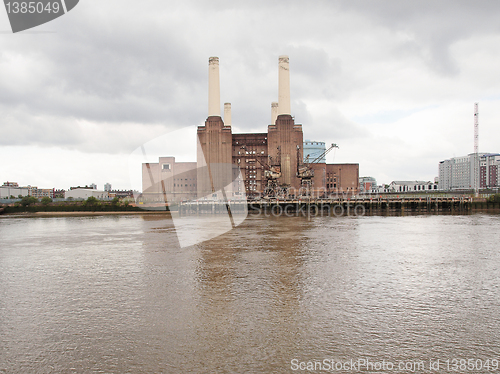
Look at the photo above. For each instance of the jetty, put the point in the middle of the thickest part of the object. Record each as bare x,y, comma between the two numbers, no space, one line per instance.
334,206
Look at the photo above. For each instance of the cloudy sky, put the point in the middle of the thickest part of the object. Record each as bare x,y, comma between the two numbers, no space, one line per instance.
393,83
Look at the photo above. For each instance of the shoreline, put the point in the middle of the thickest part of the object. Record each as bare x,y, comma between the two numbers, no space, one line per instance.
84,214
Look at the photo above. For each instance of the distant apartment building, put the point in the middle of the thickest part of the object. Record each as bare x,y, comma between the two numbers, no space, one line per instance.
33,191
45,192
107,187
9,189
489,166
10,184
59,194
367,184
457,173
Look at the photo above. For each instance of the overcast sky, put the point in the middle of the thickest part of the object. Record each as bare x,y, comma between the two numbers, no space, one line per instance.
393,83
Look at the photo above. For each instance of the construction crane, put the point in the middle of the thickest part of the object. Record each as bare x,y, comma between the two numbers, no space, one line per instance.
476,150
272,173
305,172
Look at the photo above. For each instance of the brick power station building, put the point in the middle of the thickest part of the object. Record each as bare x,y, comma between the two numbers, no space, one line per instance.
222,155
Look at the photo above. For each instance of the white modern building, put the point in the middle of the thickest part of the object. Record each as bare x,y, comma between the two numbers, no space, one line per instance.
412,186
457,173
85,193
7,191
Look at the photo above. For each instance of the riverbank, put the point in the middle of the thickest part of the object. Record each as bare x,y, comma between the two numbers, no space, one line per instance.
90,206
86,213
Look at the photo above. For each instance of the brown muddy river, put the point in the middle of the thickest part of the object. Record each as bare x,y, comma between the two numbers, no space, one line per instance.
117,294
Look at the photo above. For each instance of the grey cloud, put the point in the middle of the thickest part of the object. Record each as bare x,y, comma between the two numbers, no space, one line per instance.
435,25
118,62
113,74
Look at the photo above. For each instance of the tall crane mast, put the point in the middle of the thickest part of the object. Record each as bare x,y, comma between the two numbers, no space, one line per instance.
476,170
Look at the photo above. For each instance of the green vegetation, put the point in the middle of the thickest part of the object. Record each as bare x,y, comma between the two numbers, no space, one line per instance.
115,202
28,200
46,200
32,205
91,202
494,198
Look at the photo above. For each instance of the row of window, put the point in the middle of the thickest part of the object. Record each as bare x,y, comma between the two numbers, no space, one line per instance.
250,152
237,142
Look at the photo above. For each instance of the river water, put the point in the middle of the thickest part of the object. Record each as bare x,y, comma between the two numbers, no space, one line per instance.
117,294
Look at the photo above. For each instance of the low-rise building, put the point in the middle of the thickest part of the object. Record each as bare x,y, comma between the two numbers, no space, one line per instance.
85,193
122,193
45,192
342,179
10,184
59,194
6,191
177,179
33,191
412,186
367,185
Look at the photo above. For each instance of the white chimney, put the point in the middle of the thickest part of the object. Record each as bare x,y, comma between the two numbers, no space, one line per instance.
227,114
213,87
284,86
274,112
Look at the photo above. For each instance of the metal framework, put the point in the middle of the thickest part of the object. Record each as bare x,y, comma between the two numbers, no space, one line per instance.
476,149
305,172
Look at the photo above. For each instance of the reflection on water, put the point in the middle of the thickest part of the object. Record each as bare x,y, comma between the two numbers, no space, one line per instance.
118,294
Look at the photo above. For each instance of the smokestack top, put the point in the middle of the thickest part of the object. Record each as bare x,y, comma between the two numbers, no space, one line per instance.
284,58
213,87
284,86
274,112
227,114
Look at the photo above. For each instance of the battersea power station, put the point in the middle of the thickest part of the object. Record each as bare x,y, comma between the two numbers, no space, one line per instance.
278,161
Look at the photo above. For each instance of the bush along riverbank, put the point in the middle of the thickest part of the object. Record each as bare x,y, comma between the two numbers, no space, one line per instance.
493,202
32,205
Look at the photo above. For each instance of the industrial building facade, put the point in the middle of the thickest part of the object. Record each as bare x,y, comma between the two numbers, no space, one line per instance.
251,154
458,173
